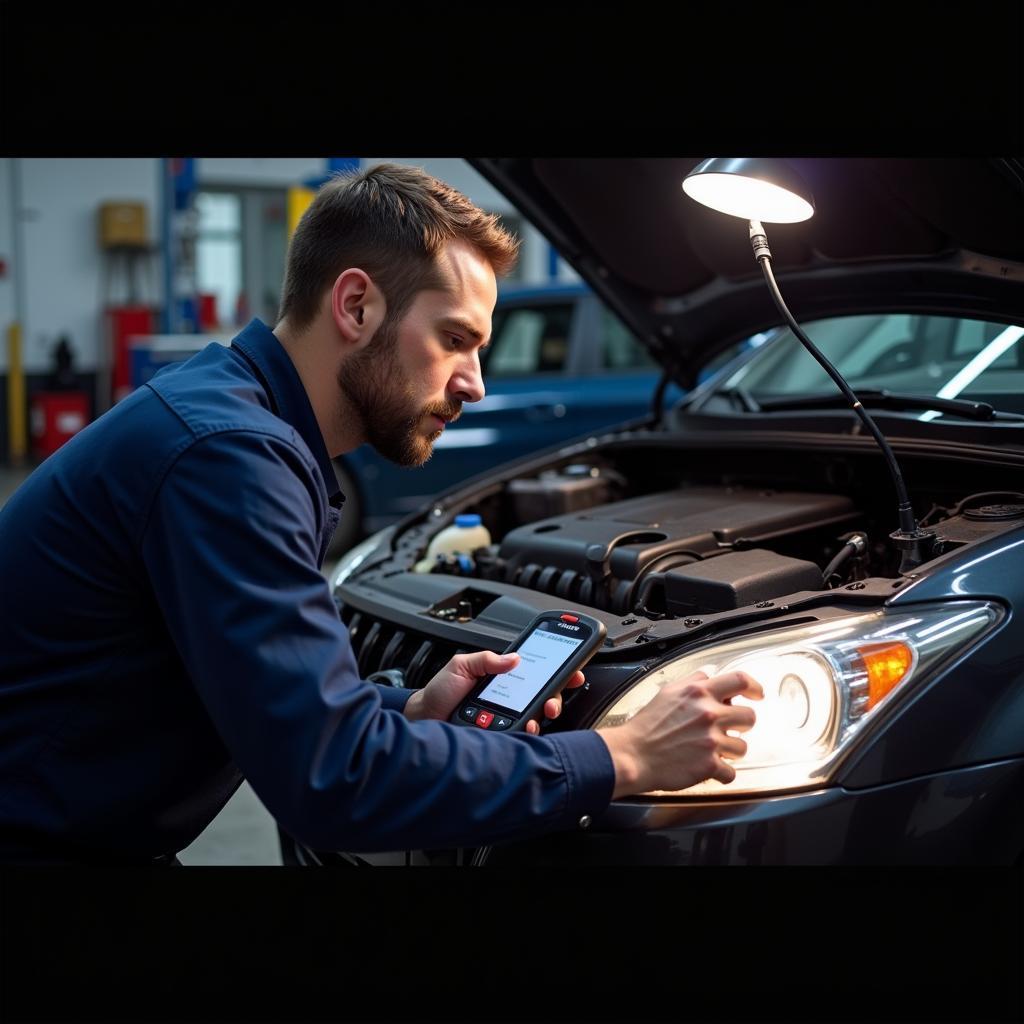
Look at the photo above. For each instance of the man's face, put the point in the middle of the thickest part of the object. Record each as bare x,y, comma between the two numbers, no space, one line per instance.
415,373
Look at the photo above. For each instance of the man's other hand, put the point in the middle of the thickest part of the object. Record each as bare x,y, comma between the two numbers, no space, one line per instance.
685,735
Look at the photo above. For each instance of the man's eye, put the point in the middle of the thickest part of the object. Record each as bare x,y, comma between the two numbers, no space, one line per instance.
454,341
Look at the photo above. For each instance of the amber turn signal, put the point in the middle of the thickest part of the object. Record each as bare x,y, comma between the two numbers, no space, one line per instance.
886,665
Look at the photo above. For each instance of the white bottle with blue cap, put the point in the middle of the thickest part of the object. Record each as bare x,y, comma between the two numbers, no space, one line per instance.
463,537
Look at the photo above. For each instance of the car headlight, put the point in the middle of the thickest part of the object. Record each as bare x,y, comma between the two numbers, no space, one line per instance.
822,683
361,554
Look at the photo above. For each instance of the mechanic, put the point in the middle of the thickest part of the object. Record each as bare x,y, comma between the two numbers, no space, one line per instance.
165,626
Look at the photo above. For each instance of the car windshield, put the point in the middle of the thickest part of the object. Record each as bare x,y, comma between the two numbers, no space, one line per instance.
904,353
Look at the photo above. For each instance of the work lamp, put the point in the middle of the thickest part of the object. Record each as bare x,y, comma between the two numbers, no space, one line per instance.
763,189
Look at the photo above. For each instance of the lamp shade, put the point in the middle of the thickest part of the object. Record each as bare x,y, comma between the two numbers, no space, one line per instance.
754,188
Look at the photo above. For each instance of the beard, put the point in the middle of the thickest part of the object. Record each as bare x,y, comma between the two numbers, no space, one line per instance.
378,389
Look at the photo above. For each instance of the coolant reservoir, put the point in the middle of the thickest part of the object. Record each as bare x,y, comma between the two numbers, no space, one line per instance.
463,537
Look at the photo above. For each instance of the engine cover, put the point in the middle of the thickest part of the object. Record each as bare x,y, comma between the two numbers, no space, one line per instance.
597,556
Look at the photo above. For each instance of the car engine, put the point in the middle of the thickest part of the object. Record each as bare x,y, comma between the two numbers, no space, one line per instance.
661,555
675,553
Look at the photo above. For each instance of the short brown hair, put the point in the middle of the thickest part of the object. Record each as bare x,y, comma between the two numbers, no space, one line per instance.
391,221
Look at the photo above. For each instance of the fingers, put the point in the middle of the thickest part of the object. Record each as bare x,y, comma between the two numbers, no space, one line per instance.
553,705
721,689
732,684
730,746
724,772
533,727
721,719
484,663
739,718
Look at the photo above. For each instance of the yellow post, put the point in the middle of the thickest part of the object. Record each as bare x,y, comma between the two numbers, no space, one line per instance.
299,199
16,440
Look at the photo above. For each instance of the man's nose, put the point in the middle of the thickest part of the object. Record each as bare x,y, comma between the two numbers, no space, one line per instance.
467,383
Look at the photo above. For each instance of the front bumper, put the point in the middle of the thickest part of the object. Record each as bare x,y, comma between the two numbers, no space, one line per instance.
969,815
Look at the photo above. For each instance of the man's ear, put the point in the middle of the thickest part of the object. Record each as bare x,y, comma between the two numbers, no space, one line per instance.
357,306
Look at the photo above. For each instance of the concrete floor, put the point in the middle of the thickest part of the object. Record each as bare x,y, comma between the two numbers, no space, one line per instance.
243,833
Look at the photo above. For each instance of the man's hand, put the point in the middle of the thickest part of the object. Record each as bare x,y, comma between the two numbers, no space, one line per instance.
446,691
682,737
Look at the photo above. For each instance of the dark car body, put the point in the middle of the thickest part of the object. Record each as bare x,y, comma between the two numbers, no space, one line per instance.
704,522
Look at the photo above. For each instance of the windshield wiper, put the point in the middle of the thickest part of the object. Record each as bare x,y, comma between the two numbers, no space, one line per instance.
892,400
742,396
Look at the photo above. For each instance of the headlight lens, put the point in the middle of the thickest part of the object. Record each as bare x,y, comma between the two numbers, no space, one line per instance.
821,684
360,555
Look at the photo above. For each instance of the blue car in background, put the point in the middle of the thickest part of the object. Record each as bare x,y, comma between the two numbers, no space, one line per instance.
559,365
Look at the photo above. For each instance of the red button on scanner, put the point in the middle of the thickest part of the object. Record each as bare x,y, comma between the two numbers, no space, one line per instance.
570,618
484,719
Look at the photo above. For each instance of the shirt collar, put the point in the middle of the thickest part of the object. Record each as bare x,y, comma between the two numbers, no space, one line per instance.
287,394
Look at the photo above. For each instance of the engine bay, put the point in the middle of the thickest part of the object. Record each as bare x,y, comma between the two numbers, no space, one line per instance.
672,553
642,541
661,548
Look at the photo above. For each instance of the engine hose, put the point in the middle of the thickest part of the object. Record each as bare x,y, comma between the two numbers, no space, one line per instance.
646,586
654,574
856,544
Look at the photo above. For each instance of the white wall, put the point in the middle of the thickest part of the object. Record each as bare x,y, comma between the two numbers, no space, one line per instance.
268,171
284,171
62,260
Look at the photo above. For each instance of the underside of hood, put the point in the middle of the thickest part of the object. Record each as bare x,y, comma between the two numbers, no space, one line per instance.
888,234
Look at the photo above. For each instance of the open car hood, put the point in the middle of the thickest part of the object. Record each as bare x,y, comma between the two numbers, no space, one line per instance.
888,234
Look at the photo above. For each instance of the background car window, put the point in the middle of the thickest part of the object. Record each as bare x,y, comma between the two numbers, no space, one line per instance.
973,336
529,341
620,349
886,343
714,365
899,351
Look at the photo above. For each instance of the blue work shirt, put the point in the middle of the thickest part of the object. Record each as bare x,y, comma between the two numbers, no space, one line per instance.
165,631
